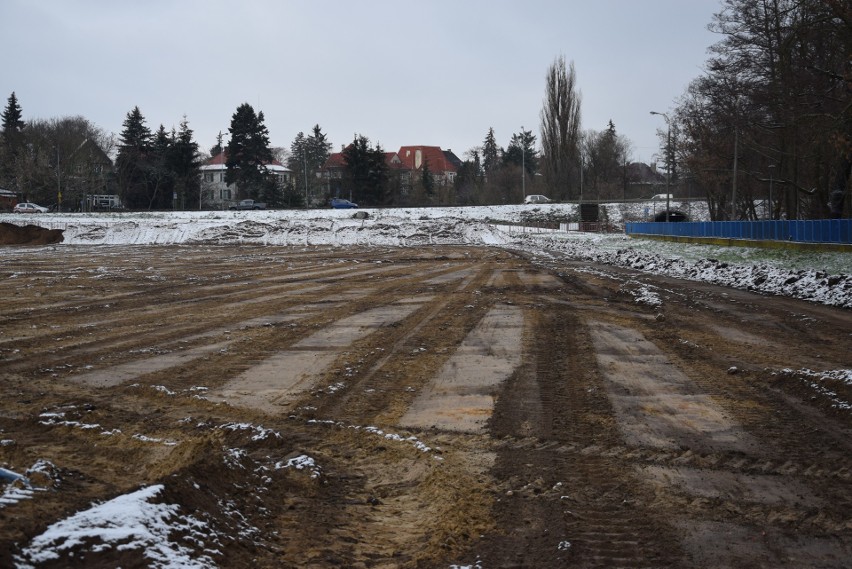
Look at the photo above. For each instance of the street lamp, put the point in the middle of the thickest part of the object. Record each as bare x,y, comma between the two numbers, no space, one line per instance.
668,159
305,168
523,166
771,171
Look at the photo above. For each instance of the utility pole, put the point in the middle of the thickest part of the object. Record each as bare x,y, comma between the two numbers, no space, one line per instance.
523,166
668,160
305,168
58,184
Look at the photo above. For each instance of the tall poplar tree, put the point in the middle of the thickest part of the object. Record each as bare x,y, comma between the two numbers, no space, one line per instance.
560,130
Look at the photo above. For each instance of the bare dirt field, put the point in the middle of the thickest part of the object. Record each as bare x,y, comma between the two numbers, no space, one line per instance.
430,407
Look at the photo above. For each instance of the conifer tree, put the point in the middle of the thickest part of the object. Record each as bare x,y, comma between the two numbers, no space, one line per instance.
133,165
248,152
184,162
217,149
366,171
12,142
13,122
490,152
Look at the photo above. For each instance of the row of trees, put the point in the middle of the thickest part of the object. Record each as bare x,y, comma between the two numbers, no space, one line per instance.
767,130
157,170
160,170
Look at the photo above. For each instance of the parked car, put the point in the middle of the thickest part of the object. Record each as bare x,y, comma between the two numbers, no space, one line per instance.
248,205
537,198
28,207
662,197
340,203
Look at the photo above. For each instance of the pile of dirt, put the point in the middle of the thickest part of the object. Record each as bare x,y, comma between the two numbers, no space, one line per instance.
11,234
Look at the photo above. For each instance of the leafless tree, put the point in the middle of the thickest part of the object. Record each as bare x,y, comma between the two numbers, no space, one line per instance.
560,130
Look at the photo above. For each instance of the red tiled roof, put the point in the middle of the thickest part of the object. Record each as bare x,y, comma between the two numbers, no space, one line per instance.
440,161
433,155
335,160
222,157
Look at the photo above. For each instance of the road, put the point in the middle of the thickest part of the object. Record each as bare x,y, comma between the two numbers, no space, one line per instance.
423,407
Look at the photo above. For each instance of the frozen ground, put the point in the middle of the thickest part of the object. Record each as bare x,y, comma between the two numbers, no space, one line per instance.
688,424
820,277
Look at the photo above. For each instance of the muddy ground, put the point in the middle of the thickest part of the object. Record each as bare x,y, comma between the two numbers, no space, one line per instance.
449,406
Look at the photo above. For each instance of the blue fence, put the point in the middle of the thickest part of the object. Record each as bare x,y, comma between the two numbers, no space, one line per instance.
804,231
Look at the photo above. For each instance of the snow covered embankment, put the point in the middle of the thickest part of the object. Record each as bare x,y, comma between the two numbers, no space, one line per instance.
812,285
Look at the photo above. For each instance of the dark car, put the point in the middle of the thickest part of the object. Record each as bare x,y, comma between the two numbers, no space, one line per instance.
340,203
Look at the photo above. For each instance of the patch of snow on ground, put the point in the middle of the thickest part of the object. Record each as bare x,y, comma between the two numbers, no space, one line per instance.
128,522
301,462
820,382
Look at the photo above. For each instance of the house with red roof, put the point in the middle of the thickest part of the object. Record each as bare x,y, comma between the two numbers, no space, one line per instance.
216,194
442,164
404,166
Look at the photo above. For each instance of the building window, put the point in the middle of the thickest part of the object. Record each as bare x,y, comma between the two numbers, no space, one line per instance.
225,194
208,176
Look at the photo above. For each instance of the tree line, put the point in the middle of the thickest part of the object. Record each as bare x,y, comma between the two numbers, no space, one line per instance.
766,132
61,161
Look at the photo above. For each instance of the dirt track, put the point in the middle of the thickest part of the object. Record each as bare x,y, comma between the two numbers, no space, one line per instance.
460,405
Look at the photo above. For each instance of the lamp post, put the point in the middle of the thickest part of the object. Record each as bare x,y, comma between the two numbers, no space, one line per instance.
305,168
523,167
668,159
771,209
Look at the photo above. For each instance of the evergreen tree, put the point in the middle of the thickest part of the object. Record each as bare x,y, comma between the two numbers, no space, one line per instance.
307,156
522,151
184,162
136,135
160,177
248,152
297,162
133,161
13,122
318,149
490,152
12,142
366,175
217,149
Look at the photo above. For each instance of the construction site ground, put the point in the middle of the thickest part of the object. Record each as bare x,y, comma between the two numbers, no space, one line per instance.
422,407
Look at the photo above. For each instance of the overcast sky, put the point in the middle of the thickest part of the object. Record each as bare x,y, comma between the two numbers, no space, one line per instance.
432,72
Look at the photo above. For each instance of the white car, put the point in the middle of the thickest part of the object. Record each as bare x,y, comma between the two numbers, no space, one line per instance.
537,198
27,207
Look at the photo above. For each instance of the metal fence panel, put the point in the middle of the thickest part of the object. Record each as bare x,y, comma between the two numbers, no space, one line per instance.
799,230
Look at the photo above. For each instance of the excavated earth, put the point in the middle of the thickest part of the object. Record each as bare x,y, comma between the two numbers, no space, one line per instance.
442,406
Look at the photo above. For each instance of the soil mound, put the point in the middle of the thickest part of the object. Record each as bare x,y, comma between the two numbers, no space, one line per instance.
11,234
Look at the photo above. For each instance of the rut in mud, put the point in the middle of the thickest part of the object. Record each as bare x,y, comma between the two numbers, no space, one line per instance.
319,407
